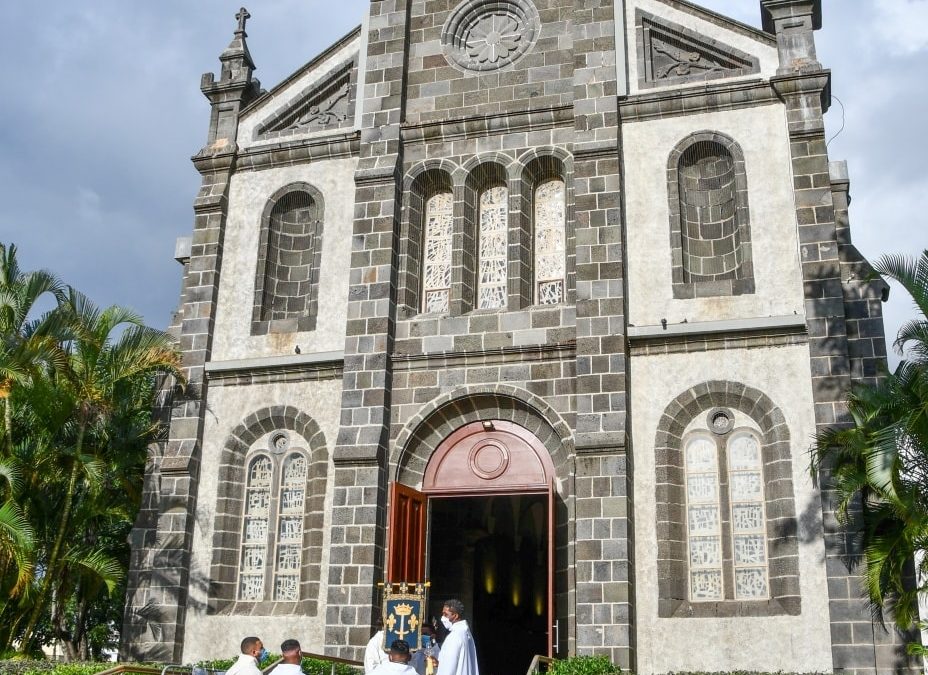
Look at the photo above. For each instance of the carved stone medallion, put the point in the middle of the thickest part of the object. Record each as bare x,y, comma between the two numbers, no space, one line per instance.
489,35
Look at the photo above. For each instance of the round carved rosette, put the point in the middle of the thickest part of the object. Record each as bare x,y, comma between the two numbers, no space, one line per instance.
490,34
489,459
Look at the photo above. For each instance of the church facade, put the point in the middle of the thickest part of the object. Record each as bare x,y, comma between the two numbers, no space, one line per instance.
540,301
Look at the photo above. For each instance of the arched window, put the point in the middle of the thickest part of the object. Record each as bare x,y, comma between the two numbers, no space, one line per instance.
275,501
726,526
550,246
436,273
739,483
286,288
255,529
710,223
492,248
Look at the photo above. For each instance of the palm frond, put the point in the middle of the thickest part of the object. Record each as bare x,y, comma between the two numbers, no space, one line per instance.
911,273
104,567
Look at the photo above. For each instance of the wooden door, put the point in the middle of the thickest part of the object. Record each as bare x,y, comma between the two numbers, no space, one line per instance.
408,520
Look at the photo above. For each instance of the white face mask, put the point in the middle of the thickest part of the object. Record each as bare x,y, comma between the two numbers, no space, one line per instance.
446,622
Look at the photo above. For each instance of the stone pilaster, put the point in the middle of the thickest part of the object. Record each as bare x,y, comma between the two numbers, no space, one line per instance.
864,295
859,645
793,23
156,611
602,554
358,519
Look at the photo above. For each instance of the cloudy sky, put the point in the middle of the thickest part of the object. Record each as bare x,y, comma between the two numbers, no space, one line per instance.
101,111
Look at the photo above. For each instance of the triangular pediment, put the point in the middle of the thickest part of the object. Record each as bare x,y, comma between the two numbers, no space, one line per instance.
673,54
326,104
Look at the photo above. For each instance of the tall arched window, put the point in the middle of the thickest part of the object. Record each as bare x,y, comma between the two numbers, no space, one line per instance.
436,286
255,529
739,483
275,500
726,531
286,288
710,220
492,248
550,246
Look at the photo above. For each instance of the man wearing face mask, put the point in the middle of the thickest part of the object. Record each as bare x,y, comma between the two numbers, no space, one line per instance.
253,653
458,654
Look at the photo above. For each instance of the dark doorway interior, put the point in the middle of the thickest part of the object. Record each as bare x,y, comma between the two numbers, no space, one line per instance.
491,552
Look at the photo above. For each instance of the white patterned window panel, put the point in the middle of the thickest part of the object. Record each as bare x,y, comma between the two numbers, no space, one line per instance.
436,271
550,242
748,519
290,528
493,244
255,529
703,516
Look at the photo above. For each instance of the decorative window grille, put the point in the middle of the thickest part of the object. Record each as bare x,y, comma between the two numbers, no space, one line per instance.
275,493
550,242
703,514
748,520
290,532
436,291
255,529
493,243
708,525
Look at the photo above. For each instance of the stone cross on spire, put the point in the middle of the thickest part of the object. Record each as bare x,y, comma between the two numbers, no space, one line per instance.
242,16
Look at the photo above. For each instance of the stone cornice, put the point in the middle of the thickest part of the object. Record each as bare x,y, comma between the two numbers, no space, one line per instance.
302,151
290,368
698,99
485,125
545,352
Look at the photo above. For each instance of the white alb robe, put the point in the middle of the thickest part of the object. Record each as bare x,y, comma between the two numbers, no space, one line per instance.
374,654
458,653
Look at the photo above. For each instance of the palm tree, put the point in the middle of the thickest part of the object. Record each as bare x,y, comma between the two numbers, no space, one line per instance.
25,343
84,393
879,466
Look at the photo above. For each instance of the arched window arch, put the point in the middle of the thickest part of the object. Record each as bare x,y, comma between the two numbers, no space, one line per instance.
270,509
725,512
425,248
726,517
255,524
545,221
436,267
289,256
492,247
709,218
273,520
550,241
484,272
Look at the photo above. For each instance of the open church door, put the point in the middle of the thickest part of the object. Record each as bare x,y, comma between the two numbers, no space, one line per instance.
408,520
553,632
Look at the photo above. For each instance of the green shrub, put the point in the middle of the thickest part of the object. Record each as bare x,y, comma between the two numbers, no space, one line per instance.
320,667
584,665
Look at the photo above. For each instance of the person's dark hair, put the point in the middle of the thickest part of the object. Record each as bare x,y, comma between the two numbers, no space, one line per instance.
400,647
249,643
288,646
455,606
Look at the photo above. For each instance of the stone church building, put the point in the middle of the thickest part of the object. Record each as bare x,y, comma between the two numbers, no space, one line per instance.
541,301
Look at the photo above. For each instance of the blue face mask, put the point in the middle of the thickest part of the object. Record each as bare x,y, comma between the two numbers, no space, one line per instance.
262,655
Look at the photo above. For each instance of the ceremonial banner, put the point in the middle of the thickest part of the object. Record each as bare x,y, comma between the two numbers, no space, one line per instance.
403,608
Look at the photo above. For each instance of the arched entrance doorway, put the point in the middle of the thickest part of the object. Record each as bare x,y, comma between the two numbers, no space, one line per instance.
482,530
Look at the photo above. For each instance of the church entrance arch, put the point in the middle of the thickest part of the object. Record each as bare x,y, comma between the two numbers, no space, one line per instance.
482,529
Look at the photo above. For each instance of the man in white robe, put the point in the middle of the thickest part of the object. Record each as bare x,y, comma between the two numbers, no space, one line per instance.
374,654
253,653
458,653
399,660
291,659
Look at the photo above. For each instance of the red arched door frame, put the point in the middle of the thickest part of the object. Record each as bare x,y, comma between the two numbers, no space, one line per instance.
490,457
